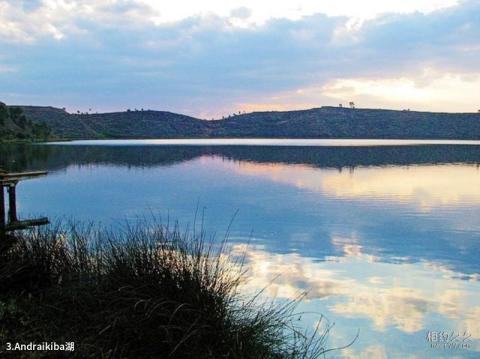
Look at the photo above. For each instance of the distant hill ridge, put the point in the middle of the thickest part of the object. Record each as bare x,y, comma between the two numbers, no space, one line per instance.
323,122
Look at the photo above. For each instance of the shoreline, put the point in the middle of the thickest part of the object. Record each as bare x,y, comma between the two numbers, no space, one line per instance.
287,142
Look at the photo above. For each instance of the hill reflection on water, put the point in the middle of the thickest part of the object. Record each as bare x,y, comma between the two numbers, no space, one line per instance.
53,157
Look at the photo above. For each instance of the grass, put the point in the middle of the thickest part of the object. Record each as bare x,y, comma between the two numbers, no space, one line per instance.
147,291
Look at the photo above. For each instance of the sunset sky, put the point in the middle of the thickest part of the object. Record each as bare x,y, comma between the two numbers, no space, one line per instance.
214,57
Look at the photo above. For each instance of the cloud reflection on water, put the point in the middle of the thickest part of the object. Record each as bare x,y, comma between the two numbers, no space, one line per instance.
403,296
427,186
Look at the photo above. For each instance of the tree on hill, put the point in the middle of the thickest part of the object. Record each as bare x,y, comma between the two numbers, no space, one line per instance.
4,114
15,125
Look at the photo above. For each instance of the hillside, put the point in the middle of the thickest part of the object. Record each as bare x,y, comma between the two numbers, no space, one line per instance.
324,122
15,125
130,124
335,122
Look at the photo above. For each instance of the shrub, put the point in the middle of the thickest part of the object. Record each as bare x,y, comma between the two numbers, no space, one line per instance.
144,292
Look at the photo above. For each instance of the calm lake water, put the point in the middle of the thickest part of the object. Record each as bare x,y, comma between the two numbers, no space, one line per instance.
384,235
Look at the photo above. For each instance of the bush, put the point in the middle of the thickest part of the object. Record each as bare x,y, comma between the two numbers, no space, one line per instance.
144,292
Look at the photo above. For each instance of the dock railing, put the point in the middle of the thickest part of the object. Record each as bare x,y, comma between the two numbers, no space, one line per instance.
8,183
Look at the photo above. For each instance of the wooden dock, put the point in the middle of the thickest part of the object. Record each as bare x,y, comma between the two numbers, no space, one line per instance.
8,182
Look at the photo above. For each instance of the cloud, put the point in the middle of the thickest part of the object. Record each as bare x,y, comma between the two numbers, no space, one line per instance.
379,292
6,69
455,91
427,186
424,186
372,351
58,13
241,13
403,308
119,54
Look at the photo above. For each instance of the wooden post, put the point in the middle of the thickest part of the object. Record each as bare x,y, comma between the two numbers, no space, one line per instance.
12,203
2,210
10,181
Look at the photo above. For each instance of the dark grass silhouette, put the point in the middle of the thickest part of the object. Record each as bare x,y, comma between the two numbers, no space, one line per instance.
147,291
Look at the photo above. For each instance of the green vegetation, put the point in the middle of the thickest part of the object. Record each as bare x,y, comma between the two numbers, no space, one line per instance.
146,292
15,126
129,124
336,122
324,122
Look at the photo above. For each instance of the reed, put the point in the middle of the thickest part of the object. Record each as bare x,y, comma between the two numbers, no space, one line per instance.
146,291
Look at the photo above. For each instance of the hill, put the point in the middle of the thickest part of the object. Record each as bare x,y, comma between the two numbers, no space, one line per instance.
336,122
15,125
128,124
324,122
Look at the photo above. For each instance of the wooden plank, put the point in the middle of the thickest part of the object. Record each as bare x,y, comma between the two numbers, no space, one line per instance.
7,178
26,224
28,173
10,180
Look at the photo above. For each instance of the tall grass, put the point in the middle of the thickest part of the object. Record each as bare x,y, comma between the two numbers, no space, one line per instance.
147,291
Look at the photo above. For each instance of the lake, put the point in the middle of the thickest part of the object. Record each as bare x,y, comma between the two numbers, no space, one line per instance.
383,235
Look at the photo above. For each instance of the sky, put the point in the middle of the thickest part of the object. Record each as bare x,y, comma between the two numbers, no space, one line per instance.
215,57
